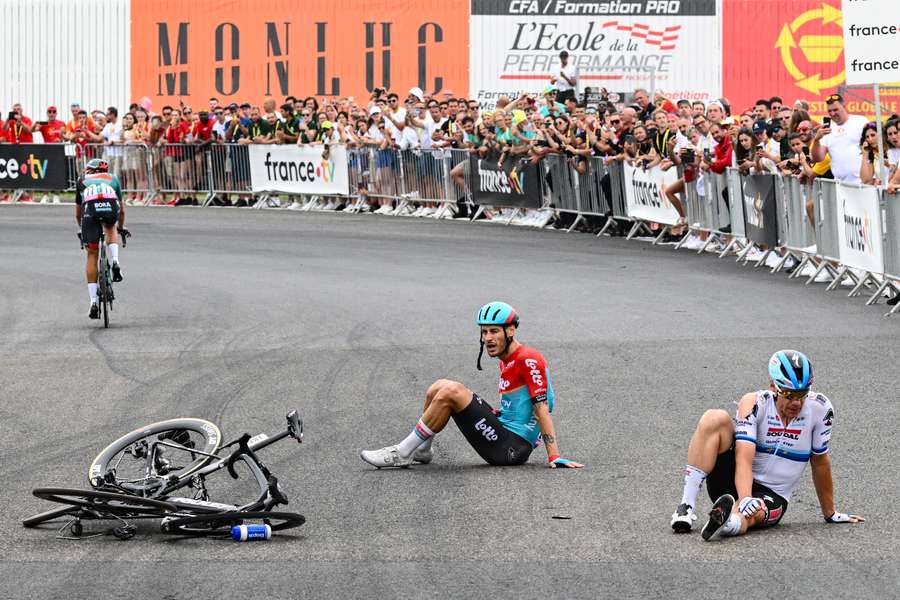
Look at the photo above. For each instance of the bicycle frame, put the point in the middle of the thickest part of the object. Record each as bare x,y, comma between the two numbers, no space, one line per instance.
270,494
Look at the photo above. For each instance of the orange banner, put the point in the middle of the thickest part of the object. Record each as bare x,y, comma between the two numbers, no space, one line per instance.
794,50
248,50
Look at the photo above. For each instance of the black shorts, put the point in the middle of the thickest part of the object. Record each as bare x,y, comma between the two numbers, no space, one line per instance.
561,97
721,481
94,215
494,443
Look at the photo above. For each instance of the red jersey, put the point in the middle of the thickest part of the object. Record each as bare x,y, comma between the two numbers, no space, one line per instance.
52,131
524,380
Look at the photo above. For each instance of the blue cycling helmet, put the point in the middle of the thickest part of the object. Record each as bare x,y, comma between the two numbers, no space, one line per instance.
790,370
496,313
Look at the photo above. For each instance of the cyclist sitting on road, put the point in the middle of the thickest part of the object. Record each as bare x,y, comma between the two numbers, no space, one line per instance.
98,203
501,437
760,456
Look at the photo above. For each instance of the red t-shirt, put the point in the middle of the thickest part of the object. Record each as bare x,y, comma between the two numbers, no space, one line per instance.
176,135
202,132
52,131
14,133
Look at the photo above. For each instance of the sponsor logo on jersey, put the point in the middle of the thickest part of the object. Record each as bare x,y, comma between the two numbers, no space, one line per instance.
489,433
504,384
536,375
829,418
791,434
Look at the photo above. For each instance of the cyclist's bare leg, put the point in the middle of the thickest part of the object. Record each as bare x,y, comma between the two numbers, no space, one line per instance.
713,436
443,398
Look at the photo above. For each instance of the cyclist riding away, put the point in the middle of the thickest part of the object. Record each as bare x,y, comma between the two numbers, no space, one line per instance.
760,456
98,203
501,437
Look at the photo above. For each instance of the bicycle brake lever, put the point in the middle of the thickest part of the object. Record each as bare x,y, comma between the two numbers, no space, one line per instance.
243,448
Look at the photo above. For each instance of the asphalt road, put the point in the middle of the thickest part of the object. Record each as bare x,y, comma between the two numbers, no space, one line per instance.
237,316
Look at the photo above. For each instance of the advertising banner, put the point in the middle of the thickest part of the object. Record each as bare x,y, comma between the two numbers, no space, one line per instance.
517,184
760,213
859,228
246,50
515,46
871,38
794,50
33,167
644,197
299,169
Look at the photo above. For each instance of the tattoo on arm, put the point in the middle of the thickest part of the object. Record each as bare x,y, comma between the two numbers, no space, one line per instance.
548,439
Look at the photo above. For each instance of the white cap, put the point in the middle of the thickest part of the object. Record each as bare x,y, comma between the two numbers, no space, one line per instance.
374,110
418,93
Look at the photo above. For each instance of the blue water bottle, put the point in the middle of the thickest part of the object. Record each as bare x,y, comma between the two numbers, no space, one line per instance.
243,533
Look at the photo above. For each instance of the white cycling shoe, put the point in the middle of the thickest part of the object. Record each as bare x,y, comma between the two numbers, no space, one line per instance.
683,518
385,457
390,457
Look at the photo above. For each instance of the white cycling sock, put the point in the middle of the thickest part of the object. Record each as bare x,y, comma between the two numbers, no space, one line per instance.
426,445
416,438
113,253
733,525
92,290
693,481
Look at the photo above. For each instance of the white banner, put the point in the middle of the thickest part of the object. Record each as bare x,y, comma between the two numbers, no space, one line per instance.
859,228
673,47
644,197
299,169
871,38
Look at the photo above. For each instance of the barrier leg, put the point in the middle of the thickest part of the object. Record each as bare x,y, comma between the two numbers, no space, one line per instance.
742,255
734,242
478,212
609,222
662,233
712,237
575,223
881,288
800,266
863,281
839,278
634,229
781,263
893,310
514,214
762,259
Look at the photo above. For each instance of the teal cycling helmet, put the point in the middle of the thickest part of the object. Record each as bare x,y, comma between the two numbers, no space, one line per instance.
96,165
496,313
790,370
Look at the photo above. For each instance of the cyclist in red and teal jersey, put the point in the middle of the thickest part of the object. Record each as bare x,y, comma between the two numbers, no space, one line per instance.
98,203
504,436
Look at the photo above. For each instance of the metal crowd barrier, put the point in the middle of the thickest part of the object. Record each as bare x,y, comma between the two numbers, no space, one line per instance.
795,231
580,193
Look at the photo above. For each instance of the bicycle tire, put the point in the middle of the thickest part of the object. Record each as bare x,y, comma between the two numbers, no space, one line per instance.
104,286
211,435
220,524
48,515
106,503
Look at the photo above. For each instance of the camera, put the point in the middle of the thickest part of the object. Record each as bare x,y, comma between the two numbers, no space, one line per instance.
826,122
688,155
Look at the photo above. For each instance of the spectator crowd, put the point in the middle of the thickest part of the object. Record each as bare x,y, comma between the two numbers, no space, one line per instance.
701,137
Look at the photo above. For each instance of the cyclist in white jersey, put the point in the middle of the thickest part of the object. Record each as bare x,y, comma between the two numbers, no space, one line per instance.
760,455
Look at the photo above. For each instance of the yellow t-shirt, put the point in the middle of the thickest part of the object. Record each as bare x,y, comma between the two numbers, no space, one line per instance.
820,168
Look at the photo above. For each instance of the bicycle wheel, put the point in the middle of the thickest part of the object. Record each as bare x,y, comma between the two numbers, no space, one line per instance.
48,515
106,503
143,461
103,281
220,524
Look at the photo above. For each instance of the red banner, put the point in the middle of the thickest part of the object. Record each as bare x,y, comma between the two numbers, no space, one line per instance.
789,49
250,49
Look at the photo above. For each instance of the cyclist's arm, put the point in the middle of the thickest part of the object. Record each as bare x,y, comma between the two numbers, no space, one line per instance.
548,431
78,203
823,482
745,445
118,188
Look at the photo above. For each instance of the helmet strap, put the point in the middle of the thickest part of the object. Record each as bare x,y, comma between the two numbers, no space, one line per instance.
480,353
